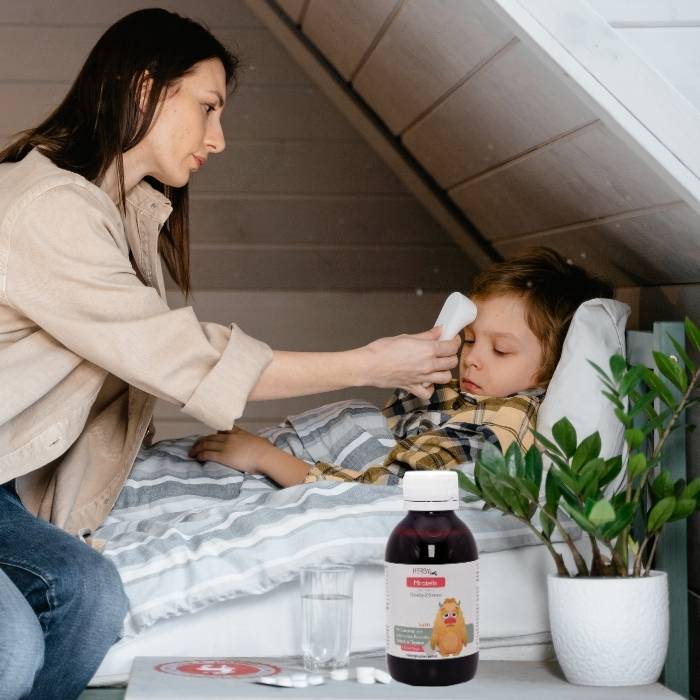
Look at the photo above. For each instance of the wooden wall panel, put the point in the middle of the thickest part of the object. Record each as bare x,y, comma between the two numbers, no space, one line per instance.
510,106
430,46
27,104
656,248
344,30
302,167
331,267
215,13
584,176
397,221
281,112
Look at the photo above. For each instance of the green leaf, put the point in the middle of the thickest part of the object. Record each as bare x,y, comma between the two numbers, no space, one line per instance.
492,495
533,465
692,490
565,435
581,520
662,486
643,404
552,493
565,482
560,462
602,513
661,513
692,332
659,422
624,418
684,508
655,384
466,484
614,400
491,458
623,517
547,524
631,380
684,355
547,443
637,464
634,437
589,478
613,467
679,487
516,504
671,370
514,460
618,366
605,377
587,450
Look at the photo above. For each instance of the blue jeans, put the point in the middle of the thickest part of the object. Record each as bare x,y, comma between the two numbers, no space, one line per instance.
62,605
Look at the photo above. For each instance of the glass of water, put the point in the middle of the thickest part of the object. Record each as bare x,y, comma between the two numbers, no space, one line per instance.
326,616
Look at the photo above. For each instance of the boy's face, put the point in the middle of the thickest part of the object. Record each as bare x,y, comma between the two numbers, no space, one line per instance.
500,354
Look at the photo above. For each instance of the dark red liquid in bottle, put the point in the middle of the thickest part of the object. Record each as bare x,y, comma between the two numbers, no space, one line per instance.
452,543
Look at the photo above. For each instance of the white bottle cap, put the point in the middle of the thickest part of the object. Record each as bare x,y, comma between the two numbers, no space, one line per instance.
431,490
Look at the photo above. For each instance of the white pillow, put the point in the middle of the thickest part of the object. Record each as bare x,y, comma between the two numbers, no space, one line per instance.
597,331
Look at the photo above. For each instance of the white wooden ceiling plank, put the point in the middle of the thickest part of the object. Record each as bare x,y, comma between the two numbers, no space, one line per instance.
673,51
638,251
430,46
647,13
587,175
343,30
511,105
637,104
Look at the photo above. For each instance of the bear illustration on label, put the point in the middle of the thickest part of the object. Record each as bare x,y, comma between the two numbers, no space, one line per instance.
449,629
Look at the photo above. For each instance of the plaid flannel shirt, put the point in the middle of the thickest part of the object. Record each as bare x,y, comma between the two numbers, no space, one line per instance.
446,431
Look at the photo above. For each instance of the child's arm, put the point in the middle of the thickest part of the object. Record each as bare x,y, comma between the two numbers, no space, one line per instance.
251,454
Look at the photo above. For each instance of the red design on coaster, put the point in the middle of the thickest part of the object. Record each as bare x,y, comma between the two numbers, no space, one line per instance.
218,668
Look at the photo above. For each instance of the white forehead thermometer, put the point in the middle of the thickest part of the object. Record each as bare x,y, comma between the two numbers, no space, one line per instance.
457,312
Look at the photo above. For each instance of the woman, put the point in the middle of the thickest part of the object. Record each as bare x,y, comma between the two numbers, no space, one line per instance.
91,200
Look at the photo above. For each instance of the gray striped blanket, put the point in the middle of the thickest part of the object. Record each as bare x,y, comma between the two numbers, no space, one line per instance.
185,535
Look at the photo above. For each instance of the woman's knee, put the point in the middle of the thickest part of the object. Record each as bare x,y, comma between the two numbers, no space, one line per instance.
91,588
21,643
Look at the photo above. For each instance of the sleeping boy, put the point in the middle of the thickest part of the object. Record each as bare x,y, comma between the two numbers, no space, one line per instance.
508,356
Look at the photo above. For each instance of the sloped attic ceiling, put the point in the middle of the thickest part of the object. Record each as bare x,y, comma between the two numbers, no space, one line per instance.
517,123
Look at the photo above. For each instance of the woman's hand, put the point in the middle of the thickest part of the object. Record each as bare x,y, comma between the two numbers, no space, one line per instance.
235,448
413,362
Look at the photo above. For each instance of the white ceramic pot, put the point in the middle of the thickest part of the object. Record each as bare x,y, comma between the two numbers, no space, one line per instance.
609,631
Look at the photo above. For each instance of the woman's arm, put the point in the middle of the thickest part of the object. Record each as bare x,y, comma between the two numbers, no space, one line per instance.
412,362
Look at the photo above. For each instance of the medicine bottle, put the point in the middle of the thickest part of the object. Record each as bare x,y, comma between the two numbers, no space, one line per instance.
432,586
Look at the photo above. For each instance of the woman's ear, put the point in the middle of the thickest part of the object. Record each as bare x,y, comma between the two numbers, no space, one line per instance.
144,86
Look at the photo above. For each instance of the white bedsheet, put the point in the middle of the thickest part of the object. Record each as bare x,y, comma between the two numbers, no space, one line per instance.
513,618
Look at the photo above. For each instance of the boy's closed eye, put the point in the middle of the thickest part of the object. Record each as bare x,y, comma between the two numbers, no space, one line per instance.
469,341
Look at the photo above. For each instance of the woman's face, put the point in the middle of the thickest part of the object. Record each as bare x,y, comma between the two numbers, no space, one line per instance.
187,126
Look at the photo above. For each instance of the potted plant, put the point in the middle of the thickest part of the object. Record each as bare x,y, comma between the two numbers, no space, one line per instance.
609,614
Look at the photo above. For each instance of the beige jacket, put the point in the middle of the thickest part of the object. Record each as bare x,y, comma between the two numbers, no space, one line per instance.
87,341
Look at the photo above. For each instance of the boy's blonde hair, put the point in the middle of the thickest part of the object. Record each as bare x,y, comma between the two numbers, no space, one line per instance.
552,288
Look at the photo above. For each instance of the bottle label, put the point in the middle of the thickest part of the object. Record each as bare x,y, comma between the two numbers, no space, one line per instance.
432,611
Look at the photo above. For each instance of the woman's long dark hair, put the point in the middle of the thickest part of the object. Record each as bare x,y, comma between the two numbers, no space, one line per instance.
99,119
